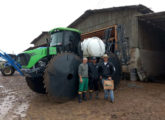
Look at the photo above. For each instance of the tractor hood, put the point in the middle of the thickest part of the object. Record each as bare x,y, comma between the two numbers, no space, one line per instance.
28,59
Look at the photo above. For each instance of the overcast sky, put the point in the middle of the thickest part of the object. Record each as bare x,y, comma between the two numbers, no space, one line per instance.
23,20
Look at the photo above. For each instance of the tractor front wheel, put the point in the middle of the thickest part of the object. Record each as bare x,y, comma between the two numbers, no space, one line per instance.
36,84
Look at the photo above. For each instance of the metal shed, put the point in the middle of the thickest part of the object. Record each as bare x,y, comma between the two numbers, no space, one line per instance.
144,30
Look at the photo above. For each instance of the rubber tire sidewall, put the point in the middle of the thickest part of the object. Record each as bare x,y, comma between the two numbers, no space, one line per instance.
12,72
36,85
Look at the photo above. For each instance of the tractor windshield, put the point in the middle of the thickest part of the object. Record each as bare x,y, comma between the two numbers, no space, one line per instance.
66,41
56,39
64,38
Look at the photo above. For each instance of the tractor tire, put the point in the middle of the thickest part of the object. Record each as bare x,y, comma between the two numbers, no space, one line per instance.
36,84
117,74
61,77
8,71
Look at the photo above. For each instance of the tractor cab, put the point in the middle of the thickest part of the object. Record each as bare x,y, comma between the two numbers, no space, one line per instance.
66,39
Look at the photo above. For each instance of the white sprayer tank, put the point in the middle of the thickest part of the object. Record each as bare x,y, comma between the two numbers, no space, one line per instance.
93,47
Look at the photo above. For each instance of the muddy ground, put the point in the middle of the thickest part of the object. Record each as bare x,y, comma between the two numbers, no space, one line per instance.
133,101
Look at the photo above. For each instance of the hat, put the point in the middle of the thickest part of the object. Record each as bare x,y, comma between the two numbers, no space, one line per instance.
93,58
105,56
89,58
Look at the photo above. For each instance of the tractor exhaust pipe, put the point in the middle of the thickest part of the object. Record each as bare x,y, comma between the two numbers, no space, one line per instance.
48,44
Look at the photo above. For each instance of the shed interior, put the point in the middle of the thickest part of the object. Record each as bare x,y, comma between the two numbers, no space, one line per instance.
151,30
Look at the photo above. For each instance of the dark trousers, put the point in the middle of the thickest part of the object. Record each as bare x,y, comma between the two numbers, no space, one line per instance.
93,84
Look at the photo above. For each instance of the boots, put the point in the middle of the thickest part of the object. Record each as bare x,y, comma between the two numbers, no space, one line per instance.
79,98
97,95
90,95
84,96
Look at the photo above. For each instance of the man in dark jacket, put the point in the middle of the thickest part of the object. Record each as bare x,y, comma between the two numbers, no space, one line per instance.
106,70
93,78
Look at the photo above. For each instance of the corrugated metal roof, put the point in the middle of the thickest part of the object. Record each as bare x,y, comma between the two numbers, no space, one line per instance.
156,19
141,8
37,38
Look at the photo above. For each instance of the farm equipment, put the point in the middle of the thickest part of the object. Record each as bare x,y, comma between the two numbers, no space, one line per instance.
9,65
53,69
113,38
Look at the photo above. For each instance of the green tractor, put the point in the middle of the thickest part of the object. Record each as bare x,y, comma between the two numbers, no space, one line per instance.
53,69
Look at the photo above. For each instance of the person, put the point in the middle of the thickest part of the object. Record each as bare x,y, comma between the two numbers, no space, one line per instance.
93,78
83,80
106,71
89,60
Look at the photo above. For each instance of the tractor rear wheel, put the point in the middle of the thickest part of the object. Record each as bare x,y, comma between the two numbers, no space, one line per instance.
116,63
7,71
61,77
36,84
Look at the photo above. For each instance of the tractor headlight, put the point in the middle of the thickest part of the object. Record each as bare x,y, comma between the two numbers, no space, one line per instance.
41,64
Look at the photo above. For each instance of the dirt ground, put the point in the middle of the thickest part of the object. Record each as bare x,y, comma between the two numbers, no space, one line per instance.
133,101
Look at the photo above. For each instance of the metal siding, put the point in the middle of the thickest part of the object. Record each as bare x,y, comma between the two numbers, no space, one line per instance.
100,20
42,40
